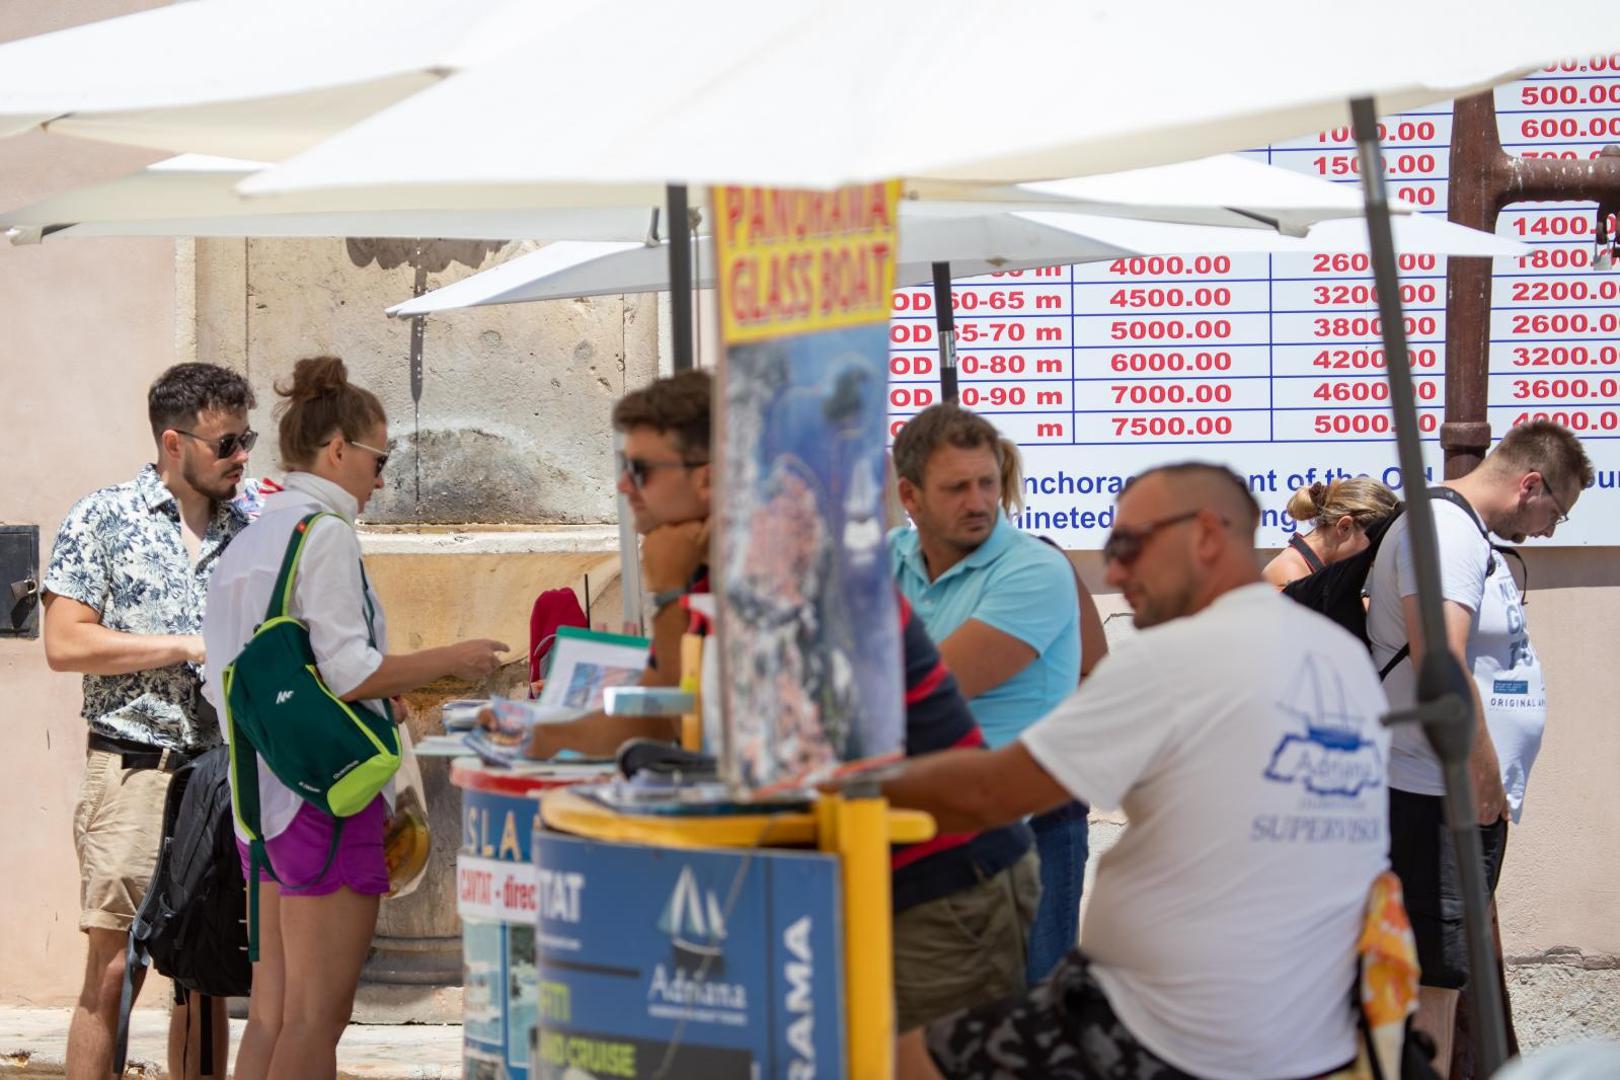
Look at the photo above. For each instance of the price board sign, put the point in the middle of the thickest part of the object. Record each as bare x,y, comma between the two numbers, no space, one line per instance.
1274,364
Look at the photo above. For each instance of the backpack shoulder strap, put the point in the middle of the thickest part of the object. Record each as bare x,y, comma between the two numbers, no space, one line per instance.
1314,561
371,609
281,594
135,961
1375,541
1459,500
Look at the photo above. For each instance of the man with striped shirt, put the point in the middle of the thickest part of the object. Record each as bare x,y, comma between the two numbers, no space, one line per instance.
963,902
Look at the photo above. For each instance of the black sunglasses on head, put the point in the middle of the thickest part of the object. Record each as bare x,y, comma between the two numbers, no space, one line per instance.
226,445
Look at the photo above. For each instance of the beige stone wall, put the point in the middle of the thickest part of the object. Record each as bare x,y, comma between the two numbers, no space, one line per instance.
1561,877
436,598
512,424
86,326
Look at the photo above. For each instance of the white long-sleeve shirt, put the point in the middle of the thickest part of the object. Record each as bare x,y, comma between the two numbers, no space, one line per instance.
329,597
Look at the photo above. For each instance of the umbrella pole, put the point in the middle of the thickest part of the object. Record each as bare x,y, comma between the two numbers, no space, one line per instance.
945,323
680,275
630,612
1444,701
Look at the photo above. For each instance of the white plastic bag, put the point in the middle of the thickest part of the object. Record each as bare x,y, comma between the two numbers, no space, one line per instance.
407,841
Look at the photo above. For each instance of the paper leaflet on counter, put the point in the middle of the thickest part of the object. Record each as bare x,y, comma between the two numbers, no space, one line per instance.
584,663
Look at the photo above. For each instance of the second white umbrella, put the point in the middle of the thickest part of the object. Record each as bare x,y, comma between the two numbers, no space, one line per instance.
973,245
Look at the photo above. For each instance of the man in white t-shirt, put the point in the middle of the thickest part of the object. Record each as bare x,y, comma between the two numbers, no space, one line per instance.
1525,487
1241,734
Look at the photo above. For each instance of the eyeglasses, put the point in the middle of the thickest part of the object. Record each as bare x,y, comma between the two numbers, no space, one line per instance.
1125,546
380,455
640,470
1563,515
226,445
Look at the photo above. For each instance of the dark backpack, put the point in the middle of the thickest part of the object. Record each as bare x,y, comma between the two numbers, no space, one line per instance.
1336,589
192,923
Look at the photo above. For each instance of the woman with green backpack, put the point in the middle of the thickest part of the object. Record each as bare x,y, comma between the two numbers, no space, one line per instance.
304,705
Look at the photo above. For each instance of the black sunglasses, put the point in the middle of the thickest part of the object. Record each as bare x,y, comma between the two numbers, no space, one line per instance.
640,470
1125,546
226,445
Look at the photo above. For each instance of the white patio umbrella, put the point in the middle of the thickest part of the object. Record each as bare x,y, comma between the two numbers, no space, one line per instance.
604,99
241,78
195,195
737,92
972,245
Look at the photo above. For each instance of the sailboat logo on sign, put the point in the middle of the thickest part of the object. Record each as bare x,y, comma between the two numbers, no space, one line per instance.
695,923
1328,754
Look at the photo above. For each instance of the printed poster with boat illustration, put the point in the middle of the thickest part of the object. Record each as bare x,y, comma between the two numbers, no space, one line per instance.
809,631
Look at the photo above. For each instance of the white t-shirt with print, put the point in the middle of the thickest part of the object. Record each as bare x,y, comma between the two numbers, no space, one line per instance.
1244,745
1500,657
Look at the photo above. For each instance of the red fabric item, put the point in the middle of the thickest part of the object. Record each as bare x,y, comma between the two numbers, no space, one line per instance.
699,623
553,608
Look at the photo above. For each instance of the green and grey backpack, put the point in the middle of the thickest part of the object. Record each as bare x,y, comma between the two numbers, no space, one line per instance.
334,754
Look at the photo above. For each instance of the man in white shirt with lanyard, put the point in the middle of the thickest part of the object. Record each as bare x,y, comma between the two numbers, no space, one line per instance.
1242,735
1525,487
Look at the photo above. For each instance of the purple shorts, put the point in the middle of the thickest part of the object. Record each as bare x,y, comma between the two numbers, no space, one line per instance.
299,852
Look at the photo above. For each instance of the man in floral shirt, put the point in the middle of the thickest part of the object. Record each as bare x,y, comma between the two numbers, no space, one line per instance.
124,597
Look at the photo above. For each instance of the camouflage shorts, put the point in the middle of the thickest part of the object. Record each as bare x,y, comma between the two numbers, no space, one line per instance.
1063,1028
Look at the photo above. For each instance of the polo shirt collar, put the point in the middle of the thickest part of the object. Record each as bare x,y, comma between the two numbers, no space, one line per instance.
988,552
1001,536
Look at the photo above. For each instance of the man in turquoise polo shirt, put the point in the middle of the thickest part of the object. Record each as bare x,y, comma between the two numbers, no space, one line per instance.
1004,609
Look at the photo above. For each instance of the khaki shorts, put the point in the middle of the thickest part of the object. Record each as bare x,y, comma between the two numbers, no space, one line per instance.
117,829
966,949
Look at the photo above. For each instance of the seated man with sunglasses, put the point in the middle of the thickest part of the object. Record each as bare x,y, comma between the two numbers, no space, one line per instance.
665,476
1241,734
124,595
963,901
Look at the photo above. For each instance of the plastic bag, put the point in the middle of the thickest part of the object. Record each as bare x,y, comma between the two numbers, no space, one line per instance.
407,840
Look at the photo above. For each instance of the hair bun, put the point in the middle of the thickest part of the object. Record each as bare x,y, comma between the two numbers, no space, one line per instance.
315,377
1306,503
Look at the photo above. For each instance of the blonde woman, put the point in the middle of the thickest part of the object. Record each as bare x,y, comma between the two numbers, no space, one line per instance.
316,924
1338,515
1093,641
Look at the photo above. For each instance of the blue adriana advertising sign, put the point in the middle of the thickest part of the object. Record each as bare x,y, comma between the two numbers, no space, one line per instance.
497,898
679,962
